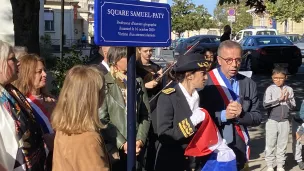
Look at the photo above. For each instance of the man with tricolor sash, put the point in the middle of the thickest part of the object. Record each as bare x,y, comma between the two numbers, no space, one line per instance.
232,101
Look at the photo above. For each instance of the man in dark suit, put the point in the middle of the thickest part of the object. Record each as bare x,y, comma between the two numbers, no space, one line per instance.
103,51
232,101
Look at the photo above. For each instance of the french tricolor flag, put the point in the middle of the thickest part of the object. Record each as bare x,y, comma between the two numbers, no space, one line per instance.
207,140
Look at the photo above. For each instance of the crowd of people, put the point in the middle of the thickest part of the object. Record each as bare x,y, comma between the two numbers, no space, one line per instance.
85,128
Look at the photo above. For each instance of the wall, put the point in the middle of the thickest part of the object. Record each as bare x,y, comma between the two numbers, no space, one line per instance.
6,20
292,27
186,34
68,24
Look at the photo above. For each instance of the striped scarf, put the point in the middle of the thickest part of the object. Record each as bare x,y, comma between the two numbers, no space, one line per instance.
22,146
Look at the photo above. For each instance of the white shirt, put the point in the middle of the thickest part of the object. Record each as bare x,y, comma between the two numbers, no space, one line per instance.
193,100
105,65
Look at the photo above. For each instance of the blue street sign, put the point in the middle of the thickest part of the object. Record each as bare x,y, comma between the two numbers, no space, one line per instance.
132,23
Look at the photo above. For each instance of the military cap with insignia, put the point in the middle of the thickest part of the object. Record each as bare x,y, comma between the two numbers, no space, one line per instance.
190,62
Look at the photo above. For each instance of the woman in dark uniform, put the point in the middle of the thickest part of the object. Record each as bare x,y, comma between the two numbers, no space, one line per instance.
178,113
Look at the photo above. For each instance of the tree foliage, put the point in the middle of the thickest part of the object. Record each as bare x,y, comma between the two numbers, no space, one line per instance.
180,13
74,57
187,16
284,9
201,18
259,5
243,18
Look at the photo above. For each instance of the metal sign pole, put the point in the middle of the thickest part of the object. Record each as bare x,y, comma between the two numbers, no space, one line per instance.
131,109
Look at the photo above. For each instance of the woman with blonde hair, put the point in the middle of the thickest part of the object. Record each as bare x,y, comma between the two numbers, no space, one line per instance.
32,83
21,142
78,145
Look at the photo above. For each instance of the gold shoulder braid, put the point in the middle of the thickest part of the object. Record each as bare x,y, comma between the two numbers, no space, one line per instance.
204,64
185,128
168,90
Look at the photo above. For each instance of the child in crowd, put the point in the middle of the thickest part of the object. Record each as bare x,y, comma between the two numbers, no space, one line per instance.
278,100
297,136
300,132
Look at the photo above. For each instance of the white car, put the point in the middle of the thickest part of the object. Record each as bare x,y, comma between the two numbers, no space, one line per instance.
254,31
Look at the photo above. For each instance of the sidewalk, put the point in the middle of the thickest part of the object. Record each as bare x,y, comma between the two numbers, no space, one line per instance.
257,160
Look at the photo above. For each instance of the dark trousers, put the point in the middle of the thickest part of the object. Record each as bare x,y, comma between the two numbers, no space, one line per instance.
240,157
121,165
150,155
49,161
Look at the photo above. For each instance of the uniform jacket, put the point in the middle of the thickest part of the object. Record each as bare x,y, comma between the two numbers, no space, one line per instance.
113,113
212,101
174,129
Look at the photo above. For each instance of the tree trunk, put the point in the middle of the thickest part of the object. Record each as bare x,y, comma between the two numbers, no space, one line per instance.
26,24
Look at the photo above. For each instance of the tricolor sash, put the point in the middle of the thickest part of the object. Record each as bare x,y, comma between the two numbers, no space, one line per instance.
41,114
226,91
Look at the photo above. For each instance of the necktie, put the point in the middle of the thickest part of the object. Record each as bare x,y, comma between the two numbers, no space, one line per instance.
228,128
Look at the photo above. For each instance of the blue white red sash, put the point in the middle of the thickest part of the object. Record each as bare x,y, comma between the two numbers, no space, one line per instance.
41,114
226,91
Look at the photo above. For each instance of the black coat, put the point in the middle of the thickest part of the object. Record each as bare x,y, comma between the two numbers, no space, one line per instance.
175,131
212,101
224,37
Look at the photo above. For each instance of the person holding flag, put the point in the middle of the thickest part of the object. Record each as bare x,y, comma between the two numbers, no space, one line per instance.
232,101
178,113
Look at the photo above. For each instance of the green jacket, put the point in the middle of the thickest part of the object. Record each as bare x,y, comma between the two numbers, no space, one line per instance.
113,113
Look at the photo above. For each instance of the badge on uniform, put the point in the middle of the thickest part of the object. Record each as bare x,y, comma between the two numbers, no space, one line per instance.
168,90
204,64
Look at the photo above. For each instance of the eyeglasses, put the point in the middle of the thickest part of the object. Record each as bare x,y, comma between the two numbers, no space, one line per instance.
230,60
278,78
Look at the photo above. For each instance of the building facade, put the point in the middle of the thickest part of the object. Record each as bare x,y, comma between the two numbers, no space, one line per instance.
76,16
287,27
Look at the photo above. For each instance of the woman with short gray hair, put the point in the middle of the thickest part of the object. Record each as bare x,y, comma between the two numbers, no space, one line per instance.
20,51
21,143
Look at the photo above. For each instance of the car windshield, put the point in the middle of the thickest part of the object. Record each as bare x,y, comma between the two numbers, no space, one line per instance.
215,39
301,40
192,39
273,40
265,32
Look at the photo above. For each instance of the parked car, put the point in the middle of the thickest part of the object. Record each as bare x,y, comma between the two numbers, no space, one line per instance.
205,41
293,37
269,51
251,31
300,44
